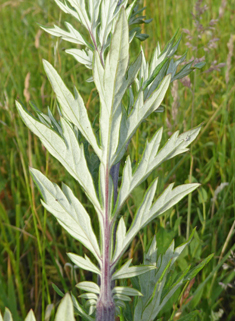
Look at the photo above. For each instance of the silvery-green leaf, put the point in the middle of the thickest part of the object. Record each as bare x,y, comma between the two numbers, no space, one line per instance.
131,75
151,255
120,111
140,112
72,35
156,59
67,150
148,211
85,264
88,286
64,7
72,108
1,319
80,7
68,210
89,296
169,198
144,70
98,77
65,309
30,316
151,158
109,82
80,310
121,297
155,74
107,15
94,7
84,57
178,144
120,235
130,181
7,315
102,190
127,271
165,201
126,291
137,222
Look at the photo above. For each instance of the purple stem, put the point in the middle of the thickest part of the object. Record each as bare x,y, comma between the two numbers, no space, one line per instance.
105,309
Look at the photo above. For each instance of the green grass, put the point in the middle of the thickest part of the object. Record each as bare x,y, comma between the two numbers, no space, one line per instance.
33,246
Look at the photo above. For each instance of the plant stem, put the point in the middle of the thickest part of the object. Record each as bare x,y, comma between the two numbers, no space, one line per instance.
105,305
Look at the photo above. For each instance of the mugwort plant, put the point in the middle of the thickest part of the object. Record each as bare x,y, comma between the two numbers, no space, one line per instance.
128,94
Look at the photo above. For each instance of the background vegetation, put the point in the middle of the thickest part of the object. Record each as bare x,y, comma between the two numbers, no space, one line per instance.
32,244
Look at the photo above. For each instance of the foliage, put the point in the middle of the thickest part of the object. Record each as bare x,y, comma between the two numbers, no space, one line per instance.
65,312
210,169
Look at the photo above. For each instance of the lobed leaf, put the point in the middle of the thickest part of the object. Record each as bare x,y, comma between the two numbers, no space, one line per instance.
84,57
64,7
148,211
151,159
72,35
109,10
108,81
69,212
140,112
66,150
94,8
80,7
72,108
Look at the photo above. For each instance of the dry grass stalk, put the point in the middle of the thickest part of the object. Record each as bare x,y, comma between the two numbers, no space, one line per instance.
222,8
230,46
